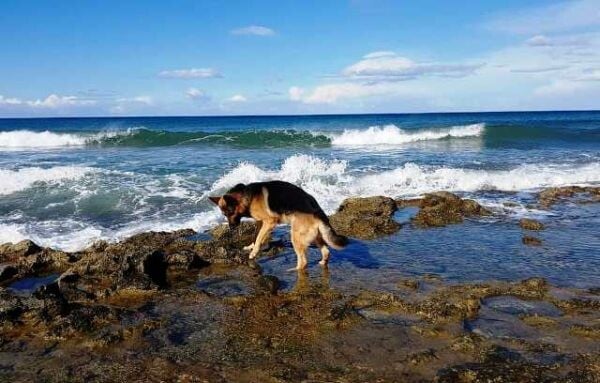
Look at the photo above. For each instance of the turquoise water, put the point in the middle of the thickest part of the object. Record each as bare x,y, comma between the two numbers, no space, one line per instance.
67,182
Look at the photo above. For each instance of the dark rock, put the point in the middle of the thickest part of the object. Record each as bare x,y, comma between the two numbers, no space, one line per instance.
531,241
7,271
365,218
268,284
531,224
443,208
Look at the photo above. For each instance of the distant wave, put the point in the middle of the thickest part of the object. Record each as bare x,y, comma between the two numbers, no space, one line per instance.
27,139
21,179
141,137
393,135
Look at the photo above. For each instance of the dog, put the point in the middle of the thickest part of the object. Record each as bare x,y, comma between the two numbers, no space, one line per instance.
276,202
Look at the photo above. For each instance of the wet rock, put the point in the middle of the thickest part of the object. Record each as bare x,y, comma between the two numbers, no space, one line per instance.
7,271
550,196
443,208
244,234
423,357
533,288
499,365
365,218
531,224
515,306
268,284
227,244
10,251
531,241
413,284
592,332
224,286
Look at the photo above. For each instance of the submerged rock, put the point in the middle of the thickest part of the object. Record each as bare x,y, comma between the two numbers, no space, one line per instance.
365,218
443,208
531,241
531,224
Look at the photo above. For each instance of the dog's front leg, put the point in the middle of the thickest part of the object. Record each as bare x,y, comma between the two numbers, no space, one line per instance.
264,232
256,232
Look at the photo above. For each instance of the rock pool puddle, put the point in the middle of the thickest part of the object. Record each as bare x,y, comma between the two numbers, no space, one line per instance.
499,317
27,286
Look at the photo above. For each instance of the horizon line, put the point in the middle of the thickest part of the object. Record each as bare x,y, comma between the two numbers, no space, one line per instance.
306,115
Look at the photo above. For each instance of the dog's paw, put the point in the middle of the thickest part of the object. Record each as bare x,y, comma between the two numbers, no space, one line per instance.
253,255
249,247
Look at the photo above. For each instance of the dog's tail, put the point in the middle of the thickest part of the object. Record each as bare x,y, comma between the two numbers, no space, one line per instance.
329,235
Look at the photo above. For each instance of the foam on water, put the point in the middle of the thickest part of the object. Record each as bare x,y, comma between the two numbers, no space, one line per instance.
330,181
393,135
21,179
27,139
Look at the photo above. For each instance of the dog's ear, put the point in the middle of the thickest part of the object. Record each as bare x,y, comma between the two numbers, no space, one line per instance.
215,200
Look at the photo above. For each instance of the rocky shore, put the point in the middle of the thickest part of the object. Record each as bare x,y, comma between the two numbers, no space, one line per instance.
145,309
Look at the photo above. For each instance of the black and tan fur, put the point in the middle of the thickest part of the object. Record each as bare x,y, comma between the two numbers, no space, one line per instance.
275,202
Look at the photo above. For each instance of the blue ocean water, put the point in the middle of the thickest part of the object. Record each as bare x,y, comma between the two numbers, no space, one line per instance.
67,182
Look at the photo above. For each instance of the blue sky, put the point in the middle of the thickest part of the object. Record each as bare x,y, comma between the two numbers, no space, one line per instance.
105,58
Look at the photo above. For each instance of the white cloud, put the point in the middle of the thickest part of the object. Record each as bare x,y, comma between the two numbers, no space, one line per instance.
332,93
539,69
295,93
190,73
255,30
558,41
237,98
53,101
389,66
565,16
378,54
9,101
147,100
195,93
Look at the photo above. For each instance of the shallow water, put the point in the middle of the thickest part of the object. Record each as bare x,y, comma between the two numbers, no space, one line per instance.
69,182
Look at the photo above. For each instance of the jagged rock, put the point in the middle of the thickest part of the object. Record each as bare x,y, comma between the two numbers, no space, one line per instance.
365,218
9,251
242,235
531,241
531,224
443,208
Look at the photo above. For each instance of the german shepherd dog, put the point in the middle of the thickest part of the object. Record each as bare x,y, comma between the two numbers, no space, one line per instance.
274,202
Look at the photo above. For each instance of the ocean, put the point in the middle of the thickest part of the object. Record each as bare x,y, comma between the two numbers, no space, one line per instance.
67,182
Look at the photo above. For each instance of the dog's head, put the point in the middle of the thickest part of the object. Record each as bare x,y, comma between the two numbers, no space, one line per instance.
231,206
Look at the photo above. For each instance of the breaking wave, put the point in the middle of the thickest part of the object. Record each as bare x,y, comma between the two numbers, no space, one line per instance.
331,181
141,137
21,179
393,135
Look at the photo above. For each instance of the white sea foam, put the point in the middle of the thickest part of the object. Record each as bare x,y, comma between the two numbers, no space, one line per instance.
330,181
27,139
393,135
21,179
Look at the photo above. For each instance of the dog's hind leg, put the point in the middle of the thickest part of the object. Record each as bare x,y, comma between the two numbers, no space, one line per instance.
324,250
300,247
